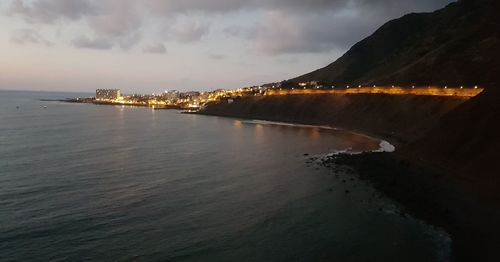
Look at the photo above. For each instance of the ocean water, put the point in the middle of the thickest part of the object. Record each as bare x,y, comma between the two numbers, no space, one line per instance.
81,182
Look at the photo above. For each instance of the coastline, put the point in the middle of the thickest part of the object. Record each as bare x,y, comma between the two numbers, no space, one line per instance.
397,119
384,145
94,102
424,190
432,196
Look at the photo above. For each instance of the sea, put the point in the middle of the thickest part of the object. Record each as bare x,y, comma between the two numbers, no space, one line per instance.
84,182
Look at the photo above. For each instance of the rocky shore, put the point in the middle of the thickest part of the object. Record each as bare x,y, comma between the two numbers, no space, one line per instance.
434,197
430,188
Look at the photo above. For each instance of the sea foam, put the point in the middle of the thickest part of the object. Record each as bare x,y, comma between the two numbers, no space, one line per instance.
384,146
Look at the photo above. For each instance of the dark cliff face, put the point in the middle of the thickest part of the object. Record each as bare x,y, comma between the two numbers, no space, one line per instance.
399,119
457,45
466,141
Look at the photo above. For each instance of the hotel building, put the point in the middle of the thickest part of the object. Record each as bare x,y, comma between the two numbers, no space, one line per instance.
107,94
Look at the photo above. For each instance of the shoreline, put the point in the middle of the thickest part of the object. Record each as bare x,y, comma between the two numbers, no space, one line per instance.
433,197
384,145
88,101
423,190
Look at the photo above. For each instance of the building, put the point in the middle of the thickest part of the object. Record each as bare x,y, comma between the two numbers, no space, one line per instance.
170,95
107,94
189,95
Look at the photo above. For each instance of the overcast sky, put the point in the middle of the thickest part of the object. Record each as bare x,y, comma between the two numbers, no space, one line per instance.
155,45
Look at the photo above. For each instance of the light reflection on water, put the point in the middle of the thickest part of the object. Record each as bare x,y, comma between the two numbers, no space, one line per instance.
118,183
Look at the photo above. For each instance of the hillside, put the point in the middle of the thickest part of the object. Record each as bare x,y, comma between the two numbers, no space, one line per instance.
399,119
457,45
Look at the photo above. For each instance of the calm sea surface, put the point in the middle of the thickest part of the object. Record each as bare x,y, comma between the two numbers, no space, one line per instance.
81,182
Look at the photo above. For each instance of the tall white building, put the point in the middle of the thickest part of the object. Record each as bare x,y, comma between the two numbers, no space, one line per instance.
107,94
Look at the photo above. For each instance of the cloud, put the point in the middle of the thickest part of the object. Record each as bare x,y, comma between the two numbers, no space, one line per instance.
244,32
128,41
116,18
189,32
97,43
169,7
47,11
271,27
113,22
155,49
285,32
308,34
217,56
23,36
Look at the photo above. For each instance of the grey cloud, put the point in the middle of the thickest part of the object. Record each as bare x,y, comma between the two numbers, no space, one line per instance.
155,49
282,32
114,22
103,43
169,7
306,34
50,10
289,26
47,11
216,56
97,43
23,36
189,32
116,18
244,32
128,41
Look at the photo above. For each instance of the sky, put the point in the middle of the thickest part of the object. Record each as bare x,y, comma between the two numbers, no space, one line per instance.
144,46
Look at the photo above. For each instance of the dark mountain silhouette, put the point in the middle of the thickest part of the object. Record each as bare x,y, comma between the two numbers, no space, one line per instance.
457,45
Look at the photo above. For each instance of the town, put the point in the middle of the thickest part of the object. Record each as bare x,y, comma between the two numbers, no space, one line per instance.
191,100
195,100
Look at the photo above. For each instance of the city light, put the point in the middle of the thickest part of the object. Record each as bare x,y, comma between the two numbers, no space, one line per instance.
193,101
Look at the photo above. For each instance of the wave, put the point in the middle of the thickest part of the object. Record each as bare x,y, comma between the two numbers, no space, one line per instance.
264,122
384,146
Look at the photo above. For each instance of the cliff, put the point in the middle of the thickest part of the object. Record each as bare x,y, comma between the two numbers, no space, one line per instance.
398,118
